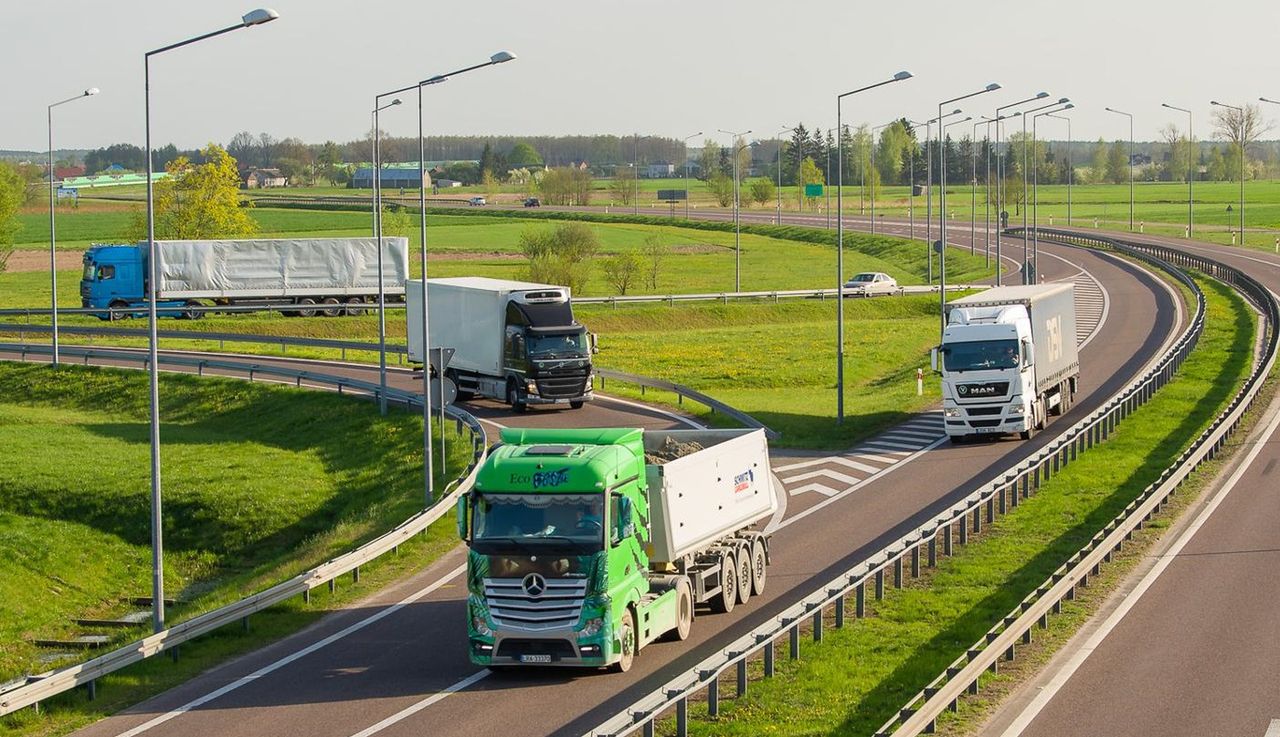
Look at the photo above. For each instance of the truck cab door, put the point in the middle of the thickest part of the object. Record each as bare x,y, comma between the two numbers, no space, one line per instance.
515,350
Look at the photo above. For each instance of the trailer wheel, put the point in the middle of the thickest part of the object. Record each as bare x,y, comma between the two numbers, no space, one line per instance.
576,404
331,309
627,638
759,566
513,398
727,599
306,302
745,576
354,311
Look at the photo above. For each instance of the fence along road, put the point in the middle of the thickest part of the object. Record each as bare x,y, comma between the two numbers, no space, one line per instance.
410,667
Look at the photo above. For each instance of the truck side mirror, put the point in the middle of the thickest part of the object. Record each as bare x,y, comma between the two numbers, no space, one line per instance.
464,526
594,340
1028,353
933,359
626,525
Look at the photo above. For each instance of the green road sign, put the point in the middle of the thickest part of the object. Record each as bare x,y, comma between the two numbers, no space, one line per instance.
813,190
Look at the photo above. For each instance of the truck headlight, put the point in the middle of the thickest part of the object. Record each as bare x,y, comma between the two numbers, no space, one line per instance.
592,627
532,387
951,412
1015,407
480,626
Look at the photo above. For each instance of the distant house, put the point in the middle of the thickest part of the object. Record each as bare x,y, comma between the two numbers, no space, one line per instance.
448,183
264,178
660,170
67,172
390,177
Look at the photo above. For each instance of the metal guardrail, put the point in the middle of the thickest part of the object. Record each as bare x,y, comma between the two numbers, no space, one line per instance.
1003,492
40,687
682,391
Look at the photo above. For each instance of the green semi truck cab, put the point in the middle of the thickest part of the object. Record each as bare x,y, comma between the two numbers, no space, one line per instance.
582,553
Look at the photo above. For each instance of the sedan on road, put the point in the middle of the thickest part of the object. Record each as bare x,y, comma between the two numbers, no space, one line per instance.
476,201
871,284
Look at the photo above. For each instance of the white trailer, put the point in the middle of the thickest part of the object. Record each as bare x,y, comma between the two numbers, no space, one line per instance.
513,341
1009,359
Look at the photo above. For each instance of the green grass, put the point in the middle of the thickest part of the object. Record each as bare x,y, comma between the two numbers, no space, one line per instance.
863,673
260,483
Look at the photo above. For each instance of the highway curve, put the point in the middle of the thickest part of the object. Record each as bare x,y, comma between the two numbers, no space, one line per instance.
396,663
1186,646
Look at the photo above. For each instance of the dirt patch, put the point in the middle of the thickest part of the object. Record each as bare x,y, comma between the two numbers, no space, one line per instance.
698,248
39,261
474,256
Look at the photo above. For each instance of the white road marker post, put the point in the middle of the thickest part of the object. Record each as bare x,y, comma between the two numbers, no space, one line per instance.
919,382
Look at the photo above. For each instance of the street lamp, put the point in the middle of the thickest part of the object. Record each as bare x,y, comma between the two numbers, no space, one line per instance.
53,259
1027,276
737,233
900,76
1000,189
250,19
928,190
872,188
686,173
1071,172
1242,142
1130,117
377,234
799,159
1191,161
973,183
1035,192
942,204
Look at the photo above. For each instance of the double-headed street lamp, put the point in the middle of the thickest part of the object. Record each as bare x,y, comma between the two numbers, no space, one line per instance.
377,235
498,58
1071,172
1130,117
1027,276
1000,175
1191,161
1035,192
900,76
1242,142
686,172
928,187
942,203
973,183
250,19
737,231
874,176
53,259
799,163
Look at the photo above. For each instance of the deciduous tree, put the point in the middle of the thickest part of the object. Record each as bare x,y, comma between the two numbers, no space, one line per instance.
763,190
199,201
561,255
721,187
620,270
655,251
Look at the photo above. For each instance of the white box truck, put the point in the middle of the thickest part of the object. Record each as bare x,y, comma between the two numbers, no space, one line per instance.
586,545
513,341
1008,360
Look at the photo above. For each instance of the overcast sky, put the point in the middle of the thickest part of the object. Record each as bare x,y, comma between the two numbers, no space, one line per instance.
663,67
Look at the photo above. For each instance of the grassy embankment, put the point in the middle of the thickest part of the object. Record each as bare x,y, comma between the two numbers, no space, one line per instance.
261,482
860,675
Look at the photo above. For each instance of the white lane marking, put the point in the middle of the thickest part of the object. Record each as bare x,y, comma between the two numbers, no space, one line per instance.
414,709
878,445
824,474
836,497
900,453
1273,730
1131,599
651,408
911,436
877,459
801,464
282,662
823,490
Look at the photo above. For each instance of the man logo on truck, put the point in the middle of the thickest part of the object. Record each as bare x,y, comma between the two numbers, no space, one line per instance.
550,478
742,481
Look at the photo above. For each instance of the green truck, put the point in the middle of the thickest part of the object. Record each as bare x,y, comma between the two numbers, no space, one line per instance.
586,545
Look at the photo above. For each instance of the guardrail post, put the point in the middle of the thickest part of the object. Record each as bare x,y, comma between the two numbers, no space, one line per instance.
1000,497
860,601
92,689
977,520
933,550
794,641
333,585
355,574
713,697
991,510
915,561
306,596
817,625
947,545
897,572
769,654
879,584
682,717
840,612
649,730
963,524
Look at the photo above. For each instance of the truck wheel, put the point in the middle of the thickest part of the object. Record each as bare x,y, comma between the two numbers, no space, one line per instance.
743,557
627,638
191,314
513,398
759,566
727,599
354,311
576,404
331,309
306,302
463,394
117,316
684,610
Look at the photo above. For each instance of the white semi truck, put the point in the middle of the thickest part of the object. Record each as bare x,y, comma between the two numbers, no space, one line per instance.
513,341
586,545
1008,360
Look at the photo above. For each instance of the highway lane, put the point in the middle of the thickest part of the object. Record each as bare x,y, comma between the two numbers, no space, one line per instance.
1186,646
403,663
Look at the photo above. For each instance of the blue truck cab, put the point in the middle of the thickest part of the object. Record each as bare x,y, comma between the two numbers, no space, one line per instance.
115,277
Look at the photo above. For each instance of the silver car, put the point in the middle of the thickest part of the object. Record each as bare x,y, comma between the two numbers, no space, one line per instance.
871,284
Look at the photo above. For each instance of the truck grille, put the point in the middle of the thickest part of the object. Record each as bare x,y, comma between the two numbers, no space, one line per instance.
559,383
984,423
557,606
978,411
557,649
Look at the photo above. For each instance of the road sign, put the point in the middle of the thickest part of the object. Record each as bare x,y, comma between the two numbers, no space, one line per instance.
439,358
449,388
673,194
813,190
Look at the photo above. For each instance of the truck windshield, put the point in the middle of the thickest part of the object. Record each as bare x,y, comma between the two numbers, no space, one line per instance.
979,355
88,271
567,345
526,521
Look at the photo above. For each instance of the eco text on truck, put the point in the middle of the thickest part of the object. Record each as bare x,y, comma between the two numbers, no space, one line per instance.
588,545
1008,360
513,341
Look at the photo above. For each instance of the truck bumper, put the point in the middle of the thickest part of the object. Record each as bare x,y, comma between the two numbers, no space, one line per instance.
535,399
559,648
993,419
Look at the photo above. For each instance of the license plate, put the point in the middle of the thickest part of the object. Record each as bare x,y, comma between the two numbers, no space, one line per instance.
535,658
987,429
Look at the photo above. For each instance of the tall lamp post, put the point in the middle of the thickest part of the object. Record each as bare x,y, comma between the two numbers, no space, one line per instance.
928,188
1130,117
377,234
53,259
1035,192
1242,142
686,172
799,158
1191,161
1071,172
250,19
1000,173
737,233
973,184
872,189
942,203
900,76
1027,276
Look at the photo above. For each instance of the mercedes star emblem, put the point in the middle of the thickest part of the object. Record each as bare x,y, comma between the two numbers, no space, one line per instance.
534,584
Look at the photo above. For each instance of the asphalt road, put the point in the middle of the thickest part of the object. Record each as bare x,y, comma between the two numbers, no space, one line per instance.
396,662
1187,646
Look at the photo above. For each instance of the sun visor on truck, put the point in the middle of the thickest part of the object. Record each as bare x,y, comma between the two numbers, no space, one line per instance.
553,316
